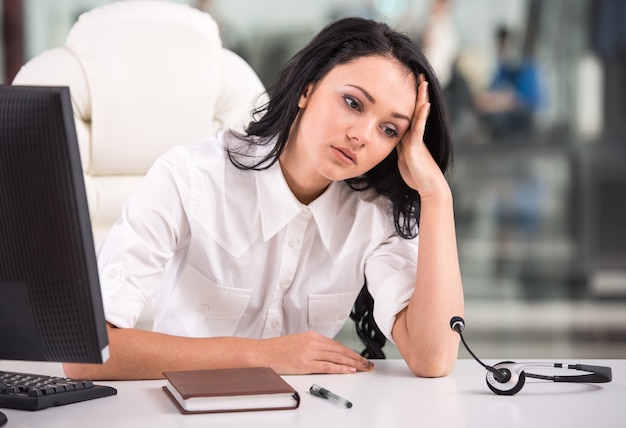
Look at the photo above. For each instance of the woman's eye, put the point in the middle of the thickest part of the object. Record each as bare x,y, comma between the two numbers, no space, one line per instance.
352,103
390,132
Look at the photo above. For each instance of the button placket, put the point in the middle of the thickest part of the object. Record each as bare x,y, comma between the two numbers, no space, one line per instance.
292,247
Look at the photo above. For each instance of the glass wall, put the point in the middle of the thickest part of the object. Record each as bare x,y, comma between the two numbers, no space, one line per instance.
539,182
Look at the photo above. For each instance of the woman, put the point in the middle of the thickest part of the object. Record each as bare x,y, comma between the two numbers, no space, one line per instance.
253,248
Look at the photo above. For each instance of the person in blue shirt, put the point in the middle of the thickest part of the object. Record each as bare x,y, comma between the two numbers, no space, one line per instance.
514,94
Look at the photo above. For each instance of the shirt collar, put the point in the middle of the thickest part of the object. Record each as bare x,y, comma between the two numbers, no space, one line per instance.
329,213
278,206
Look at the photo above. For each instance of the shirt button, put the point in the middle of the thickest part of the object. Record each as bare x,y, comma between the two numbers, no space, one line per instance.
274,323
284,283
114,274
293,242
205,308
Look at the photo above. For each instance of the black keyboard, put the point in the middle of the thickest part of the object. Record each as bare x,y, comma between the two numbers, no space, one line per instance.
26,391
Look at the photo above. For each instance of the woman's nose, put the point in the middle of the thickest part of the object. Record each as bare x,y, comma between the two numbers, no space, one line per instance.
362,132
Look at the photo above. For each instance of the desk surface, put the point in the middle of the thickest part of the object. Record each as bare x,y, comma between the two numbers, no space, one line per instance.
390,396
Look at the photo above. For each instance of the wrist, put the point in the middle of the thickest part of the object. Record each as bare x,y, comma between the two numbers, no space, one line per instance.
439,194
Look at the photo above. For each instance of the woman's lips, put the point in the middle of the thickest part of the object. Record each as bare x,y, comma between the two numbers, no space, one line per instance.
345,155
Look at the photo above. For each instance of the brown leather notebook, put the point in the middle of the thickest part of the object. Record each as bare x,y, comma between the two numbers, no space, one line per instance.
230,390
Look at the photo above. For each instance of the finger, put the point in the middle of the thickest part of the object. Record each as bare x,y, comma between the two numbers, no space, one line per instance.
334,362
353,360
421,78
346,356
416,134
427,94
326,367
420,120
422,92
341,354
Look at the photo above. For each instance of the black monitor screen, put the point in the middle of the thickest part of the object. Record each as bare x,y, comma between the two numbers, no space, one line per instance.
51,304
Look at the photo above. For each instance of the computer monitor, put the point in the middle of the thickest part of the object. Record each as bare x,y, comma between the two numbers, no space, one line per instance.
50,298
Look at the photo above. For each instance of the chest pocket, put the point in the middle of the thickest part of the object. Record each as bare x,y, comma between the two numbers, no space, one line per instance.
216,311
328,312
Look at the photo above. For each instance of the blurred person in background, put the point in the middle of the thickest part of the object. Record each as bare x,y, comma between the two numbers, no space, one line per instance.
509,104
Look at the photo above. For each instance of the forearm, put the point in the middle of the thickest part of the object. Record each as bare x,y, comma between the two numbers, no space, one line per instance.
140,354
422,331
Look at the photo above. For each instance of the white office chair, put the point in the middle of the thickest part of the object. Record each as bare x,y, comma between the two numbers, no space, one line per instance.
144,76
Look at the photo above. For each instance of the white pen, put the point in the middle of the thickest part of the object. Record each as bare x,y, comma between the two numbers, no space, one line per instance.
324,393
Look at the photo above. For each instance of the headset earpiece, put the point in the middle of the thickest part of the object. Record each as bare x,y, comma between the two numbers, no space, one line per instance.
510,383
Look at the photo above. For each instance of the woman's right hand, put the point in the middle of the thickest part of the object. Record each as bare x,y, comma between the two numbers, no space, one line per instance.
309,352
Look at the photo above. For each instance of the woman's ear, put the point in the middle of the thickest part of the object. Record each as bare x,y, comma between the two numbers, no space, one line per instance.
306,94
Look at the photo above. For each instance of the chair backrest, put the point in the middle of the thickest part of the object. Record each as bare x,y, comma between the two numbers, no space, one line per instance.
144,76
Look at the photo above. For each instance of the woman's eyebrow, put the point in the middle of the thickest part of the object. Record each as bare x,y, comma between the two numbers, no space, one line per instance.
372,100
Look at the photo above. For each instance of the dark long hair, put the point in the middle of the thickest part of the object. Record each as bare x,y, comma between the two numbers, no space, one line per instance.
339,43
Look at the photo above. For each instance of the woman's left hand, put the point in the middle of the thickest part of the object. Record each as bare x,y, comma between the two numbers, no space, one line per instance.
417,166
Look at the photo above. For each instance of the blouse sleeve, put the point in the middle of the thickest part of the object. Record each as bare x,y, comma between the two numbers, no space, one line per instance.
390,271
133,256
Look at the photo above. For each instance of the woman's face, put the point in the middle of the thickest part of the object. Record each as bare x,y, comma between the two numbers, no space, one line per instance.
352,118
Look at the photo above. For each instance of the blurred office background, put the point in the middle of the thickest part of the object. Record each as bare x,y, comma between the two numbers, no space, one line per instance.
540,170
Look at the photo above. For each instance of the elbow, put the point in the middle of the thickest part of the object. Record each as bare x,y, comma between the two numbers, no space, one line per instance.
427,353
83,371
432,366
73,371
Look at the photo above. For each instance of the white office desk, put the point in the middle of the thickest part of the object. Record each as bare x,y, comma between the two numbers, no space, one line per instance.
390,396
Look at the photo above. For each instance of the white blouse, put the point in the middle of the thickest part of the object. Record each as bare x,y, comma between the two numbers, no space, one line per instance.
221,251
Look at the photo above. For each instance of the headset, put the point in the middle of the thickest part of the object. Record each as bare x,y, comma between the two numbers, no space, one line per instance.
508,378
